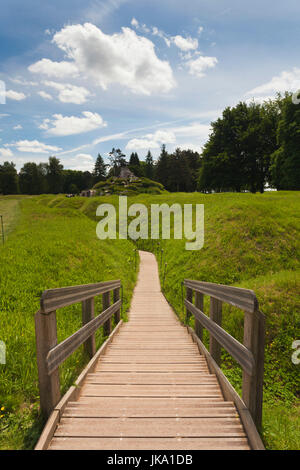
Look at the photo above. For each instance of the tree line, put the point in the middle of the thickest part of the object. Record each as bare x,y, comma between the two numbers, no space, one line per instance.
253,146
250,147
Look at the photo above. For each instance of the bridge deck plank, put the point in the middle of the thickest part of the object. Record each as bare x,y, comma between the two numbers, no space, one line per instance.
151,389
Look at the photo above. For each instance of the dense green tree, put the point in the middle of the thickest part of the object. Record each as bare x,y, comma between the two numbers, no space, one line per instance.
8,178
162,168
134,159
285,162
243,139
99,173
80,179
117,161
55,177
135,165
32,179
149,169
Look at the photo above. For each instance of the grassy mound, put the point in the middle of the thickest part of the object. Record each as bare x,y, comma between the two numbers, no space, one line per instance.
50,247
124,187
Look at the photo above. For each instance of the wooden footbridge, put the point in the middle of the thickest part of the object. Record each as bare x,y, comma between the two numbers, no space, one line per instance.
152,384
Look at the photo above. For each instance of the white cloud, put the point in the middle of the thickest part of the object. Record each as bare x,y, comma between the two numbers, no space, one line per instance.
134,23
200,30
6,153
69,125
286,81
34,146
15,95
18,127
195,132
45,95
69,93
20,81
54,69
123,58
152,140
259,99
82,162
198,66
185,44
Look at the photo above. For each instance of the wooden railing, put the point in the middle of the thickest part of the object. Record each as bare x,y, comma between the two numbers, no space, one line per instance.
249,355
50,354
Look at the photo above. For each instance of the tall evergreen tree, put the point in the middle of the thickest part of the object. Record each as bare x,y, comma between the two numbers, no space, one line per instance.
149,169
99,173
163,167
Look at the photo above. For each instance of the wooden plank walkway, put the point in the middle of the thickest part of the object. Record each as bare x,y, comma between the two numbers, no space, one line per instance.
151,389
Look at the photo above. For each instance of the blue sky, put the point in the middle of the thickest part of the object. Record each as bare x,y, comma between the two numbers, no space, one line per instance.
83,77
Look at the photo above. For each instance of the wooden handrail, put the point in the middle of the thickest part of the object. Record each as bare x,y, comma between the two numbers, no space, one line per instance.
244,299
50,354
53,299
249,355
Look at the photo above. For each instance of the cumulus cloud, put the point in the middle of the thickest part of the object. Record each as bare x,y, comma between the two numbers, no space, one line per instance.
44,95
69,93
185,44
194,132
17,127
21,81
152,140
54,69
285,81
15,95
34,146
82,162
6,153
123,58
199,66
68,125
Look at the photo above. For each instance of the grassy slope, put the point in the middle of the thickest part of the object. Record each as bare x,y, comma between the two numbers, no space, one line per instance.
49,248
250,241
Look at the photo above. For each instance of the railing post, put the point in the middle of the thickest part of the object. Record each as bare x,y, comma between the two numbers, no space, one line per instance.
116,296
88,313
106,304
46,339
199,304
215,314
189,297
254,340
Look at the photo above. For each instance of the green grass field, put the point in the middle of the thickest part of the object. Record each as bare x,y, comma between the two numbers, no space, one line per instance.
49,248
251,241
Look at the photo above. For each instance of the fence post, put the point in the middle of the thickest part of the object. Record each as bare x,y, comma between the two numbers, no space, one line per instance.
46,339
254,339
88,313
189,297
199,305
116,296
106,304
215,314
